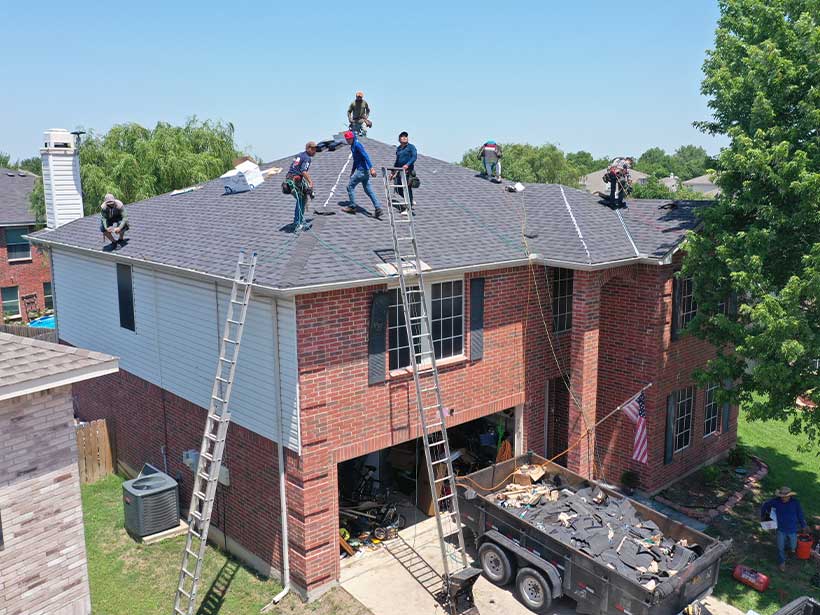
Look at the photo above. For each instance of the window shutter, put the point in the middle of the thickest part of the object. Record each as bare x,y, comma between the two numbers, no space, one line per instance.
377,338
671,406
476,319
727,384
675,306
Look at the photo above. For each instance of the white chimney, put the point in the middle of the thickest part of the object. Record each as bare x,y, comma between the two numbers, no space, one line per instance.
61,178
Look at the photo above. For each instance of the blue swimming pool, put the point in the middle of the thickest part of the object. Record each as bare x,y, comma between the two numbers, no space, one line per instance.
44,322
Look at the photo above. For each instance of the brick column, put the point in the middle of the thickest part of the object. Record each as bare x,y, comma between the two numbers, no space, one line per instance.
586,299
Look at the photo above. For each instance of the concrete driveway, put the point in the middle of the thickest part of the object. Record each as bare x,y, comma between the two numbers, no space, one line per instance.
401,578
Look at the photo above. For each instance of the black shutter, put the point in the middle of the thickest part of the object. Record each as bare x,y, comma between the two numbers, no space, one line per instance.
476,319
671,406
727,384
377,338
675,306
125,295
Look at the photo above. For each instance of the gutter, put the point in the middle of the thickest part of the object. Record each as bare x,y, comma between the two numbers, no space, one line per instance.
293,291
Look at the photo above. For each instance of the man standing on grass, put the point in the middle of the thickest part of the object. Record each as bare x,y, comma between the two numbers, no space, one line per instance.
789,520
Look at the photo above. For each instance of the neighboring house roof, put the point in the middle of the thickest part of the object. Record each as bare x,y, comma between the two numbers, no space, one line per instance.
15,187
670,182
29,365
462,221
704,184
594,182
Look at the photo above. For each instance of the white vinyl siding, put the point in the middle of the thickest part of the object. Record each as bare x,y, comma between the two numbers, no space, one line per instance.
176,342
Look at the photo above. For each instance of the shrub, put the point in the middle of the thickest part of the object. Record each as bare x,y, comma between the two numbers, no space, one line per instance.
737,456
710,474
630,479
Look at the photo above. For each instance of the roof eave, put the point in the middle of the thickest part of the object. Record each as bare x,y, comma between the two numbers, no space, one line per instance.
53,381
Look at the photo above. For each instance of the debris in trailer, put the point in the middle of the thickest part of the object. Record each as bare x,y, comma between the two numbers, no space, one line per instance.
606,528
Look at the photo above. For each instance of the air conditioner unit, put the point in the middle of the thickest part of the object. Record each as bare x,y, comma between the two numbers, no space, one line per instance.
151,504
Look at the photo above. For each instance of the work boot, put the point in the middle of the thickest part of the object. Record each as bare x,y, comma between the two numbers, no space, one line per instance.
377,214
782,567
349,210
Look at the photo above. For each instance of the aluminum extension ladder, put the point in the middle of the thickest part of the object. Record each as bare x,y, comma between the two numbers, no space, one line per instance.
206,476
458,576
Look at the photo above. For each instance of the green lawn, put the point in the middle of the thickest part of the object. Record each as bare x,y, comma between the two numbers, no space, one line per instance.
772,442
128,578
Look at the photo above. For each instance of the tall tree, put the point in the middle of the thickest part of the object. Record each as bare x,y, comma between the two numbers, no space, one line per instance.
655,161
761,240
586,163
689,161
136,163
5,161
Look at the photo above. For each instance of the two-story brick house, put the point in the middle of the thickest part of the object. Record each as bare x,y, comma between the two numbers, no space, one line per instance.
547,306
25,277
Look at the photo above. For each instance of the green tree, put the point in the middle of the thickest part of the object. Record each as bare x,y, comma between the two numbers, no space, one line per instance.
690,161
136,163
542,164
655,161
585,163
761,240
32,165
5,161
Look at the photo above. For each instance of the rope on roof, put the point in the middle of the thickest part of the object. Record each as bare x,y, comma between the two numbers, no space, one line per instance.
577,228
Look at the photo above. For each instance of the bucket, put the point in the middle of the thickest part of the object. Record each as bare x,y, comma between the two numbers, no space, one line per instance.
804,545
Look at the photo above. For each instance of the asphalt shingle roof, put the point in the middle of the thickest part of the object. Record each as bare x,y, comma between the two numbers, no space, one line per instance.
15,186
462,220
24,360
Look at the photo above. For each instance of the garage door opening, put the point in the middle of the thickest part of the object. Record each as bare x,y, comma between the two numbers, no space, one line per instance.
387,491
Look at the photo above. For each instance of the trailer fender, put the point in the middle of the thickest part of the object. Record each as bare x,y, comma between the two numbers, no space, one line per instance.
538,562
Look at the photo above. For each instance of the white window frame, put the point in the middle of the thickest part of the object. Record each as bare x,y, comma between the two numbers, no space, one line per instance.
49,295
396,308
566,277
6,240
3,302
687,307
711,412
683,419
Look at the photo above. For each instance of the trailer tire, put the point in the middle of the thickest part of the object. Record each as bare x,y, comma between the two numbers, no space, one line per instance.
495,564
533,590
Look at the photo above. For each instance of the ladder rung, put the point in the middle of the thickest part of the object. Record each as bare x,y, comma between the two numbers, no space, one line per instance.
446,497
184,593
442,479
432,444
429,425
219,399
200,495
234,322
225,360
221,379
192,554
178,611
204,476
208,456
229,340
439,461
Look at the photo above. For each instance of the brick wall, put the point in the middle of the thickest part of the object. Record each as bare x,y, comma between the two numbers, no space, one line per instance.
144,418
27,275
43,563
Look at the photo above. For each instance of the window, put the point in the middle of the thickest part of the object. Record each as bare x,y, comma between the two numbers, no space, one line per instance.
18,248
11,301
125,294
711,415
561,300
447,318
685,302
683,418
48,298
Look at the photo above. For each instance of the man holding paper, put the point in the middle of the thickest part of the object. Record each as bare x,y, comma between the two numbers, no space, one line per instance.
790,519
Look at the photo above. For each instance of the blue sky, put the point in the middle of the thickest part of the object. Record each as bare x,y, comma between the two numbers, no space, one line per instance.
607,77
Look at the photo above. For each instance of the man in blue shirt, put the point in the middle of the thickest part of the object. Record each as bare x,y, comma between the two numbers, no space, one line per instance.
363,170
406,156
299,183
789,520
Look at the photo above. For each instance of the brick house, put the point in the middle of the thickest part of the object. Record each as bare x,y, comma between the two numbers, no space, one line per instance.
42,542
591,307
25,276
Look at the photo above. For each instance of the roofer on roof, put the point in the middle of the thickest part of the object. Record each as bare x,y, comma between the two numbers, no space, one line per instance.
358,113
113,221
618,178
299,184
406,156
490,155
362,171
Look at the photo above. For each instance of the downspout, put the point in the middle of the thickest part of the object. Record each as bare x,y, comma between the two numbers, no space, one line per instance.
280,450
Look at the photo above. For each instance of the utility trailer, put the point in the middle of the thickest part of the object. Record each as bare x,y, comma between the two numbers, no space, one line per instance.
540,567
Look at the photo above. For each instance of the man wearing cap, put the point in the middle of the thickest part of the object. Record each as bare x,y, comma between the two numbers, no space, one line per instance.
362,171
490,155
406,156
789,520
299,183
113,221
358,113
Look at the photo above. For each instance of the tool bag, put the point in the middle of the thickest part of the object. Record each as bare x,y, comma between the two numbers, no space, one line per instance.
412,180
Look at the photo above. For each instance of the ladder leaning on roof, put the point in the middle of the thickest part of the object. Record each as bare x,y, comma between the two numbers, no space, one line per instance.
206,476
458,576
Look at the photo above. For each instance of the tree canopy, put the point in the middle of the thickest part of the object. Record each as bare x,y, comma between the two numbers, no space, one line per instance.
761,240
654,189
522,162
136,163
686,162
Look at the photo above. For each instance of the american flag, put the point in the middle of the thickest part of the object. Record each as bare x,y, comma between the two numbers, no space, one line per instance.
635,409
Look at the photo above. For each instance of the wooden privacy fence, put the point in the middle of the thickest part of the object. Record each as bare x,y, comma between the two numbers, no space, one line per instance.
38,333
95,454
